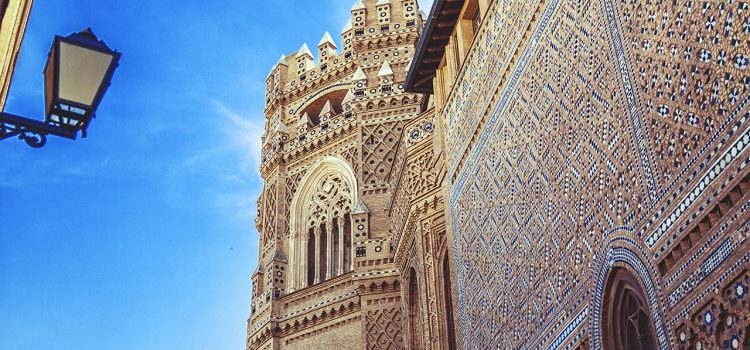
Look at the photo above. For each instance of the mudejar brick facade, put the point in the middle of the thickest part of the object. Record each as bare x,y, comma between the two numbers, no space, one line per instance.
557,174
597,158
336,158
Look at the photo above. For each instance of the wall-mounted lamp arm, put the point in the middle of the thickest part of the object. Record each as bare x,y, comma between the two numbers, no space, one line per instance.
33,132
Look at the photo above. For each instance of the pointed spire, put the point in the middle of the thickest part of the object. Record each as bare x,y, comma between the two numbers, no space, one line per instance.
327,108
383,2
348,26
385,69
305,121
279,127
358,5
327,40
304,50
282,60
348,98
360,208
359,75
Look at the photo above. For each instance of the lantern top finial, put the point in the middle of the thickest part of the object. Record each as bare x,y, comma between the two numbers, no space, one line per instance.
87,32
87,37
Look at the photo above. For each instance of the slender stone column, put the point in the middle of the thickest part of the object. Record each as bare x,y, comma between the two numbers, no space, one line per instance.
342,248
291,279
317,255
329,250
352,253
302,278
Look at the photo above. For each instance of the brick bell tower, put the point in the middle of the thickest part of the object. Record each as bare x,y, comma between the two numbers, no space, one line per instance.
332,149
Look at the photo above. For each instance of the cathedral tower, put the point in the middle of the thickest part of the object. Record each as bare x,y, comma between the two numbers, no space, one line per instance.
334,137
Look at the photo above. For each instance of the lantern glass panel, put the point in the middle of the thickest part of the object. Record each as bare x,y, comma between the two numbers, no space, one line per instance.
82,73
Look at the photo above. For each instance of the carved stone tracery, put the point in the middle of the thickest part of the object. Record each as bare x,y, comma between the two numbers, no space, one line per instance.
331,200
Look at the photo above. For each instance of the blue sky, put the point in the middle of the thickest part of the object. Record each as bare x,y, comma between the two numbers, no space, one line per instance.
141,236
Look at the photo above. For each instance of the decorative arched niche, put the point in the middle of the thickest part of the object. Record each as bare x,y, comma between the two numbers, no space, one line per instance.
320,241
314,104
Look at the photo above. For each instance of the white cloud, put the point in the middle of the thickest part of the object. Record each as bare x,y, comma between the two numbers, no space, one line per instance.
242,141
243,136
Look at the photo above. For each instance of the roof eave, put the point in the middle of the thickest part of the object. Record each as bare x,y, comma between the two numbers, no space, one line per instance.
415,81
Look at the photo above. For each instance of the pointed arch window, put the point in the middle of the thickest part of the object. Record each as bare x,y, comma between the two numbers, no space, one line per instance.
327,216
320,224
627,323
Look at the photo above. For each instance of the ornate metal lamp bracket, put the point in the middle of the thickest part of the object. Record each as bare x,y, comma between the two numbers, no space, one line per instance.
33,132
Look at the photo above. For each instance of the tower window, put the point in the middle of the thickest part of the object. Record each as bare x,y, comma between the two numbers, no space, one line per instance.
325,244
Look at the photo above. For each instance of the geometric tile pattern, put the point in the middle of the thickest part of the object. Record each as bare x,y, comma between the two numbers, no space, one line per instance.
720,323
690,67
546,184
594,117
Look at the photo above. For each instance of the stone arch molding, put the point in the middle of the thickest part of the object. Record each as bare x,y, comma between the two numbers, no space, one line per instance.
623,252
322,206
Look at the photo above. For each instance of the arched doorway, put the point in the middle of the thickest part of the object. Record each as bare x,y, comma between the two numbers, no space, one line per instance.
626,318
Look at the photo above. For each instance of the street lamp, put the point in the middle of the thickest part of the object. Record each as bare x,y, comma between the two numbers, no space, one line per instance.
78,72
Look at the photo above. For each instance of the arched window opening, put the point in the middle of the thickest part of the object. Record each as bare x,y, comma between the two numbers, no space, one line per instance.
415,320
451,334
626,320
320,241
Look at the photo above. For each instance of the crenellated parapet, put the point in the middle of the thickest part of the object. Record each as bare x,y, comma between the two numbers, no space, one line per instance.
364,79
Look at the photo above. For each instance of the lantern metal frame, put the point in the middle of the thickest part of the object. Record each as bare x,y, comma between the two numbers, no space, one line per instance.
35,132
